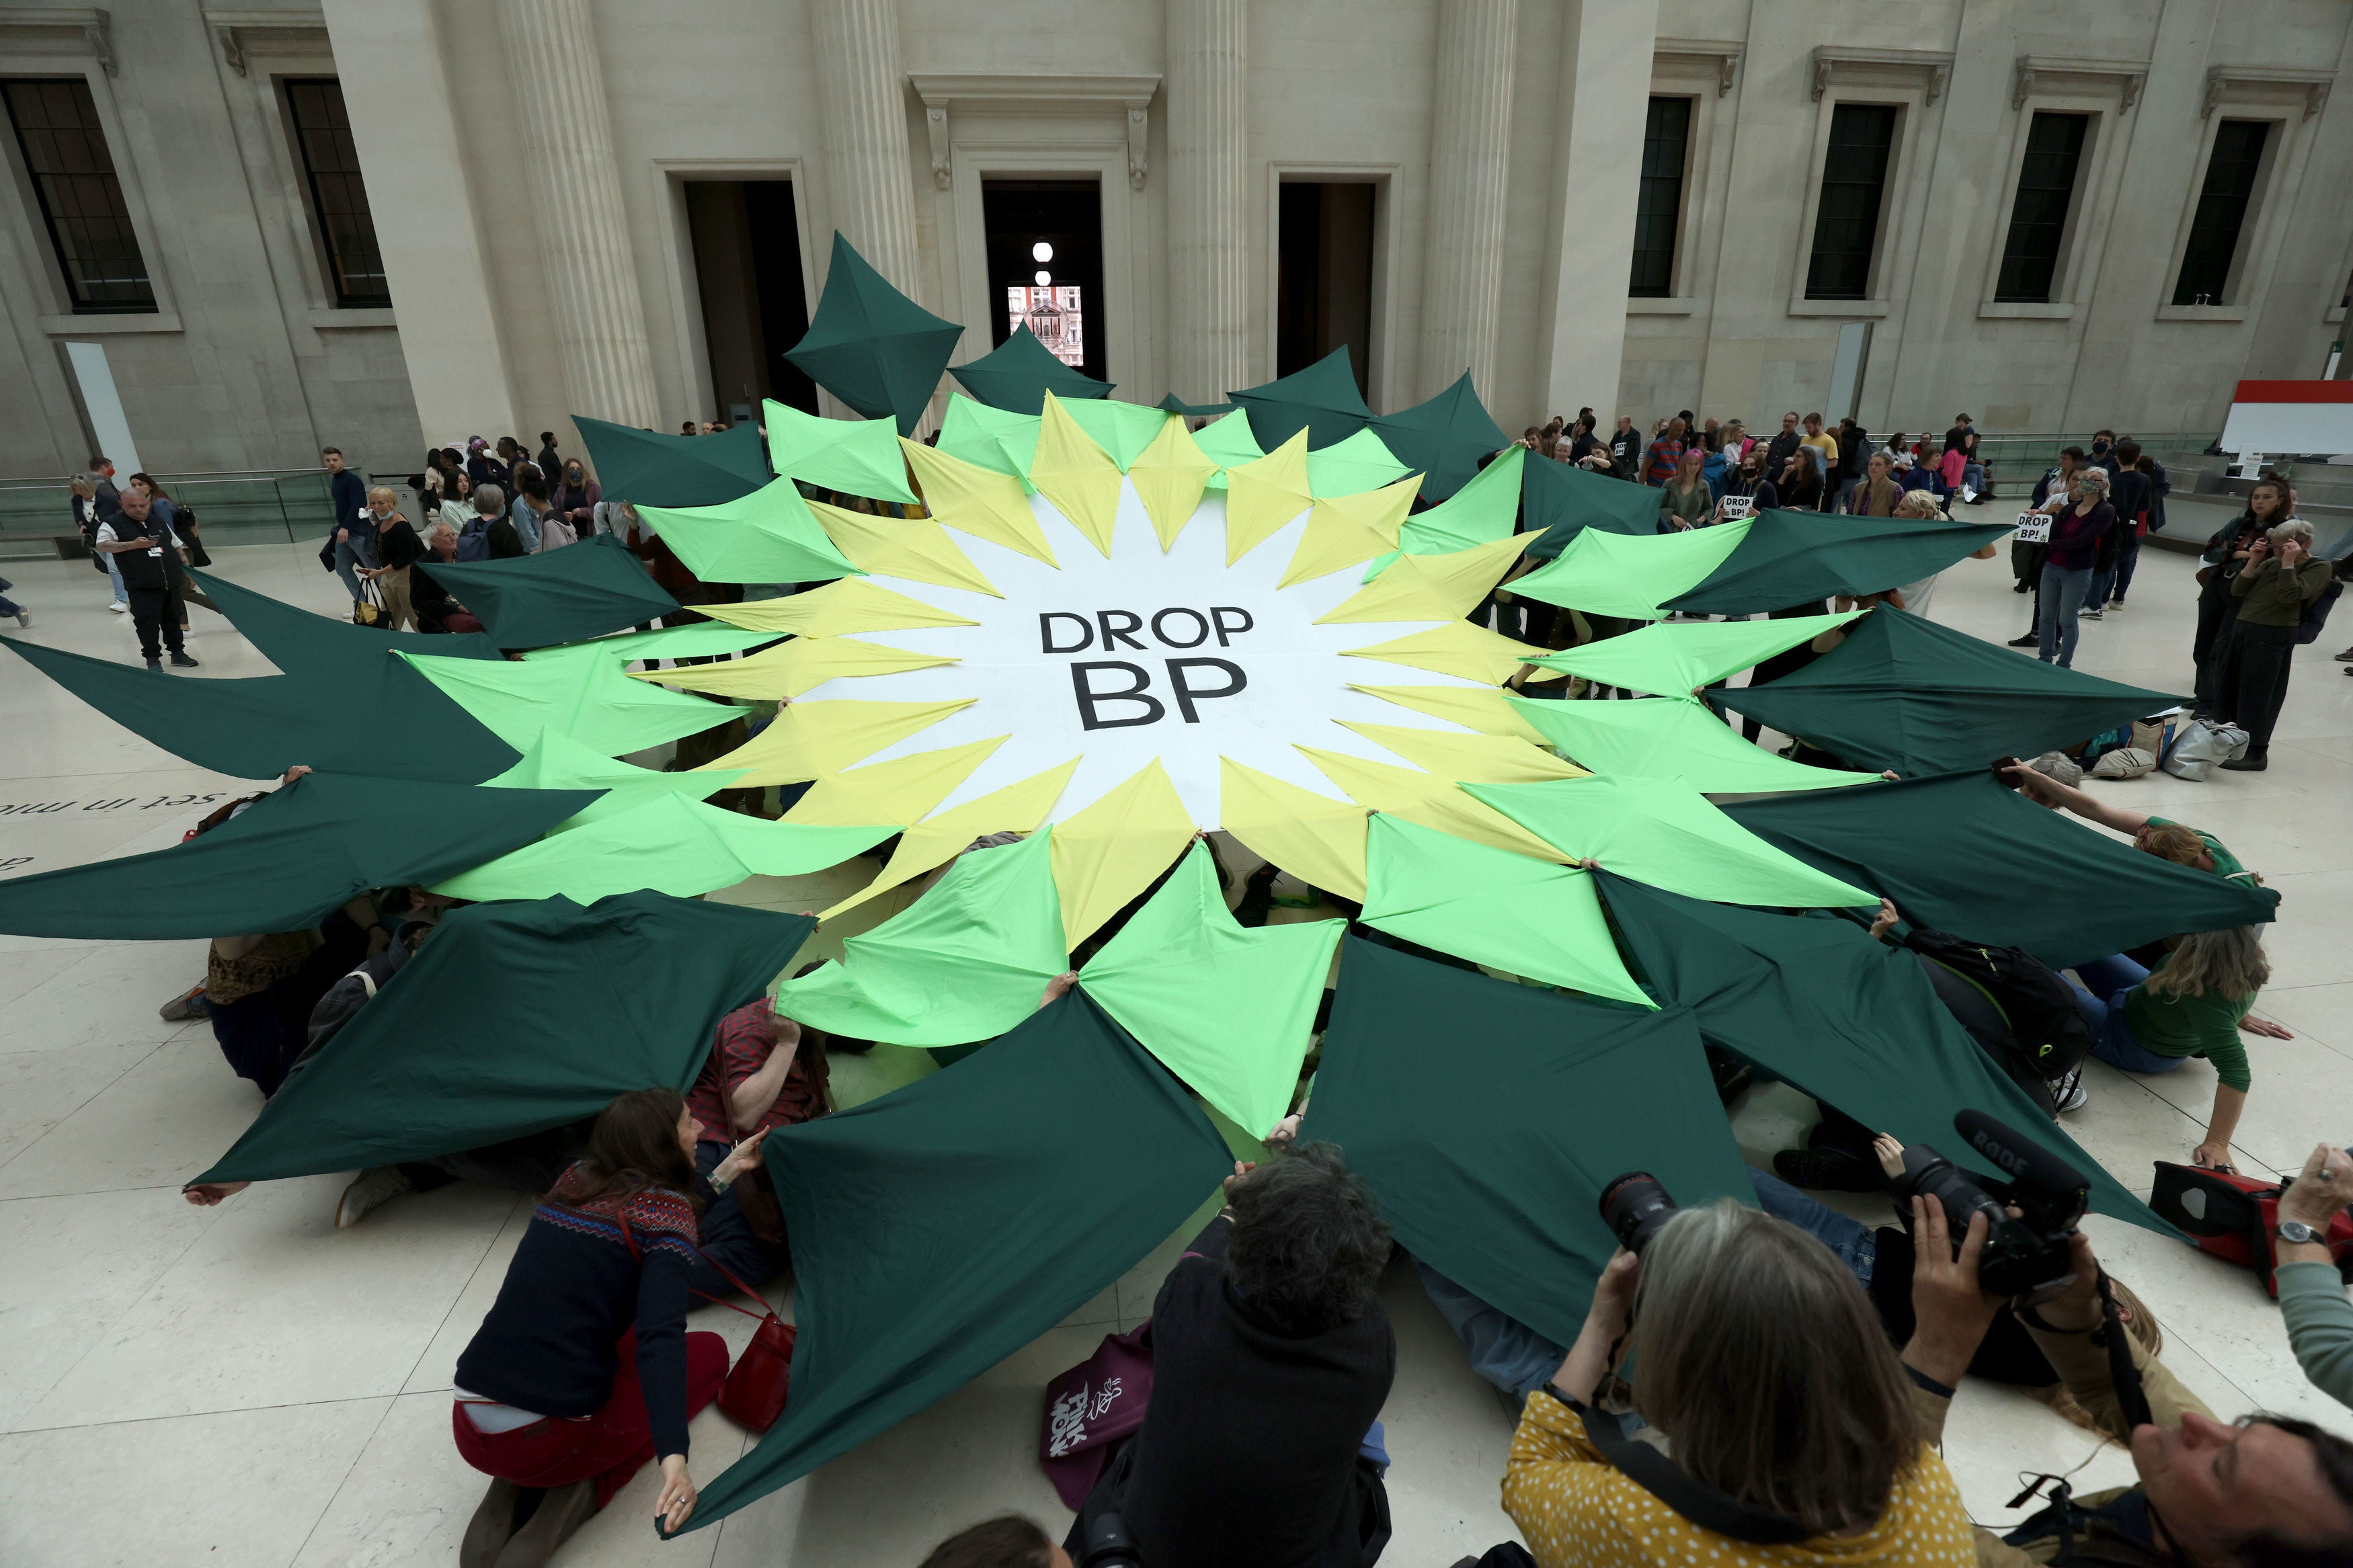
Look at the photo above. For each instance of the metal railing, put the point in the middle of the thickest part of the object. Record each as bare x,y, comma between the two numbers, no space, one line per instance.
2019,458
256,506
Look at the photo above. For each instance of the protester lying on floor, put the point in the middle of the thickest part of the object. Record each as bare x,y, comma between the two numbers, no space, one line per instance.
2174,841
2264,1490
1272,1360
2193,1003
583,1370
1757,1355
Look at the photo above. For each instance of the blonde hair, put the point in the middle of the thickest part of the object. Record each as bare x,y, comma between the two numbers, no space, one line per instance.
1760,1356
2229,962
384,490
1918,503
2172,841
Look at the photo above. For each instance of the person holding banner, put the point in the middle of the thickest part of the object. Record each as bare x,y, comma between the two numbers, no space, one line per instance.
2075,538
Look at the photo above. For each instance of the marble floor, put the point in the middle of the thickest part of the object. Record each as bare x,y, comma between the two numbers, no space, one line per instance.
248,1386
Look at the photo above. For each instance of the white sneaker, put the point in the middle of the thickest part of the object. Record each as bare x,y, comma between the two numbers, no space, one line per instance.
2069,1093
370,1189
117,605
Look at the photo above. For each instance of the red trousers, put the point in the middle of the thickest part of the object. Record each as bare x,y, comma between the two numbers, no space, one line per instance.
611,1445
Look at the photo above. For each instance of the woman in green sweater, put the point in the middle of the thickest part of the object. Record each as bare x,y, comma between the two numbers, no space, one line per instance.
2151,1021
2281,580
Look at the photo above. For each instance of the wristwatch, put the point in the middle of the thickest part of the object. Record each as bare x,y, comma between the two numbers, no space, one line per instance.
2296,1233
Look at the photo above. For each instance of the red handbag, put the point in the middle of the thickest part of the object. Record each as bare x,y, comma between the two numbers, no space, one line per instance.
757,1385
2234,1217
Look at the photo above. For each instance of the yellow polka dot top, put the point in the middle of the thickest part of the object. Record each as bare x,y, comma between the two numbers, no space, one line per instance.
1575,1510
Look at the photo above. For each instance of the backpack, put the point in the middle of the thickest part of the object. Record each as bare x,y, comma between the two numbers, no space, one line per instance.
474,545
2235,1217
2046,1028
2315,614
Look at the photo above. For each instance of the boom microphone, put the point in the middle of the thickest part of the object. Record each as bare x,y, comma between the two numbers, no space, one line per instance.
2016,1158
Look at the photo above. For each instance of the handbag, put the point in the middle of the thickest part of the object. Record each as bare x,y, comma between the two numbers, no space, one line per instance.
757,1385
367,610
1092,1408
2234,1216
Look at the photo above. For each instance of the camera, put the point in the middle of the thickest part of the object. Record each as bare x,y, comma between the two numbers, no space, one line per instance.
2025,1252
1108,1544
1634,1207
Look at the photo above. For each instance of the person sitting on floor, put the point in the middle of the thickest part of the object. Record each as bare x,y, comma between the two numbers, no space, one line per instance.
765,1071
583,1370
1272,1360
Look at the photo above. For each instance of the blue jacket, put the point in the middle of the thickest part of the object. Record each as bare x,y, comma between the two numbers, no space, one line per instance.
347,493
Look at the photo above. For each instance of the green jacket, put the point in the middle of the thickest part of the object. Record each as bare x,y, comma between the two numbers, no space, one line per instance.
2271,596
2105,1527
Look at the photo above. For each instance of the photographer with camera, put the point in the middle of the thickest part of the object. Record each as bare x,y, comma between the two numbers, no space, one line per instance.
2265,1492
1789,1420
2311,1291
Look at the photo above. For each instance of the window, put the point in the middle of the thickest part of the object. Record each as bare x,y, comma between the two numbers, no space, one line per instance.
322,133
2037,217
81,199
2221,211
1658,211
1854,182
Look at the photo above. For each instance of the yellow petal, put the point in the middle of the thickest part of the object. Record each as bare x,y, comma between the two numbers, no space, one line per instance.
1343,530
851,605
1319,840
900,790
980,501
1109,852
1076,475
1429,801
1474,708
1469,759
807,739
1454,647
913,548
1426,587
1169,476
801,665
1019,807
1264,494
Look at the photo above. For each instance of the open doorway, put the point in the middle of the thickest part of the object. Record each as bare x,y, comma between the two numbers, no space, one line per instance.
747,267
1324,292
1045,265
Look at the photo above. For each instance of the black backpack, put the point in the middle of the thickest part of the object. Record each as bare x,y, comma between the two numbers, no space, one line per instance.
2046,1031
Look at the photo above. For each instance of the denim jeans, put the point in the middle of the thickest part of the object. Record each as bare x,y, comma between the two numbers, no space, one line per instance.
1851,1241
351,554
1504,1350
1973,476
2100,987
122,593
2063,588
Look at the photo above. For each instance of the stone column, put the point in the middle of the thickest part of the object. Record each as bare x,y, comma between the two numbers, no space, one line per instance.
1470,161
867,177
1606,75
1209,304
558,85
415,163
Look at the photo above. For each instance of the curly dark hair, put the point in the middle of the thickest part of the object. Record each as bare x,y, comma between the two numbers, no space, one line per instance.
1309,1242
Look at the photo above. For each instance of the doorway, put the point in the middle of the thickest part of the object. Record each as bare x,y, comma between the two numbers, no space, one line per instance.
747,267
1045,266
1323,289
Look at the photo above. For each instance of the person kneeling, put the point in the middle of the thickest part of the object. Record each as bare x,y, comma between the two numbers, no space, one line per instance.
1272,1360
583,1370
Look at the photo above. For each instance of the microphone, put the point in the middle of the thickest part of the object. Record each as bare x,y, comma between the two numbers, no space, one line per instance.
2014,1156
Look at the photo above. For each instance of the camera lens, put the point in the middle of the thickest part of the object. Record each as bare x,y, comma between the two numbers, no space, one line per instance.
1634,1206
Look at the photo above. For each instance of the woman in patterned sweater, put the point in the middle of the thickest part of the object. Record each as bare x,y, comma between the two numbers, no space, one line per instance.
583,1370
